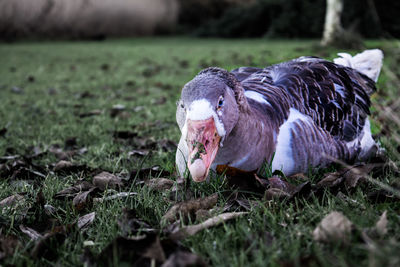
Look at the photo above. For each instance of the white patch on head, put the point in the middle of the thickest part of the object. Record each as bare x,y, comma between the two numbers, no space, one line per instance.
257,97
283,159
201,110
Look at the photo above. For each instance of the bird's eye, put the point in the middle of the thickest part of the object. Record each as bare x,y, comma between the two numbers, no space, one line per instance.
220,102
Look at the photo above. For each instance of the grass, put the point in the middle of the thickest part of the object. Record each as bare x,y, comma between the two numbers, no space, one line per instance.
44,86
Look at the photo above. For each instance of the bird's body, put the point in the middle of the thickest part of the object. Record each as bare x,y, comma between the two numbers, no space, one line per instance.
298,114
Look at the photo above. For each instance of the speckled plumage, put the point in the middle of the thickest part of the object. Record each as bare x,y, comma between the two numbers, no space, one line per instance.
309,110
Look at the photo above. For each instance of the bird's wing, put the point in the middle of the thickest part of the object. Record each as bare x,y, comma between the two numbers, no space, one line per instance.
243,73
334,96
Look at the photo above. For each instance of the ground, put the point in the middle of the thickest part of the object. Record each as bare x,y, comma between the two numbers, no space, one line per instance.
110,106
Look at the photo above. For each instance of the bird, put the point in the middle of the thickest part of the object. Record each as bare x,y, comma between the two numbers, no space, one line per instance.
304,113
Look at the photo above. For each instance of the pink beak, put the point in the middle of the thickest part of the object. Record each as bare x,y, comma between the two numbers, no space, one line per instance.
203,141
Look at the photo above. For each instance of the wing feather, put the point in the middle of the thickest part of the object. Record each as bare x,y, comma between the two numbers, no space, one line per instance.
334,96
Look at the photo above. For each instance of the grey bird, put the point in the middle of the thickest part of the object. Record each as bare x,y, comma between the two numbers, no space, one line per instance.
303,113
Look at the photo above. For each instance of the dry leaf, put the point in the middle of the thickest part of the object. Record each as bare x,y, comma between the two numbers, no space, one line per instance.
243,180
202,215
181,233
124,134
139,152
91,113
11,201
138,251
141,174
381,224
33,234
116,110
276,193
82,199
189,208
130,224
331,180
159,184
46,247
115,196
3,131
86,220
8,245
62,165
67,167
358,174
105,180
73,190
335,227
49,210
183,258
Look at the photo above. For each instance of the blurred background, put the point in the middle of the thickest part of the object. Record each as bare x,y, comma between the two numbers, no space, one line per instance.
100,19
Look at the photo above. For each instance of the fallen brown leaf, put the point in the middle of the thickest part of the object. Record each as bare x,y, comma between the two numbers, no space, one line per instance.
188,208
243,180
12,201
182,233
167,145
159,184
183,258
105,180
116,110
63,154
33,234
115,196
138,251
236,202
85,221
82,200
47,246
21,168
350,201
8,245
335,227
276,193
124,134
330,180
72,191
358,174
91,113
64,166
3,131
141,174
139,152
130,224
381,224
49,210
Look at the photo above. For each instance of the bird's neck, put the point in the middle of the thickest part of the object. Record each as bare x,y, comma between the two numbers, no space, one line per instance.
249,144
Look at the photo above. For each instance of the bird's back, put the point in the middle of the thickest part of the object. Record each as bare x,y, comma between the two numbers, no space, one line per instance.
334,96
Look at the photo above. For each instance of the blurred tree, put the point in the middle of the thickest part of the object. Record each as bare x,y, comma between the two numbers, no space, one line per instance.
334,33
333,28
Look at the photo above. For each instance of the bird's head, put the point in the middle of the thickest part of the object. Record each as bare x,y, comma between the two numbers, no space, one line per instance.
212,102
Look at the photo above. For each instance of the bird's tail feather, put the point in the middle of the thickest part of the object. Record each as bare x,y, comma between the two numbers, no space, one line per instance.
368,62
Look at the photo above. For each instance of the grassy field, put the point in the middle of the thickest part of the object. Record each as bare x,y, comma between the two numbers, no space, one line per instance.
110,106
